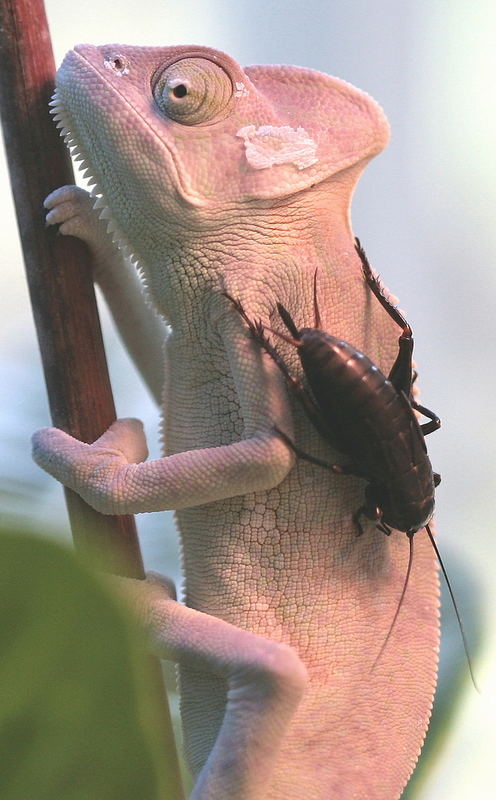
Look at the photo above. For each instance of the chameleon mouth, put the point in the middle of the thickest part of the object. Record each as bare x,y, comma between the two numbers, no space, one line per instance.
63,122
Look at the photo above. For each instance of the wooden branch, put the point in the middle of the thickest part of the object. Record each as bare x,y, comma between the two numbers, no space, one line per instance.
60,284
58,272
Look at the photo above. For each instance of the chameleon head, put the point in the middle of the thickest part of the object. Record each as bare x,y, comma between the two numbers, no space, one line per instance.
185,131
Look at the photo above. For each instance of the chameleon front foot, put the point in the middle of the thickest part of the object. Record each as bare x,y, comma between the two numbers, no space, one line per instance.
95,471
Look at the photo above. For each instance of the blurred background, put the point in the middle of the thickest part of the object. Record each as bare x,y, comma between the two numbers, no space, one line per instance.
425,212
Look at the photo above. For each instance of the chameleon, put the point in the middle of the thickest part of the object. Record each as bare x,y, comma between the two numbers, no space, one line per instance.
209,179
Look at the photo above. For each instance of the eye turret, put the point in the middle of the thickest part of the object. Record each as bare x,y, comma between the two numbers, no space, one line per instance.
192,91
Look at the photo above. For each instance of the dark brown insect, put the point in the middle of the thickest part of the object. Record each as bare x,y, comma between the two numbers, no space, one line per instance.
370,419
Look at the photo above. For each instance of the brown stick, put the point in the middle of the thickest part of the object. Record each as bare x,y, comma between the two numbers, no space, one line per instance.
60,284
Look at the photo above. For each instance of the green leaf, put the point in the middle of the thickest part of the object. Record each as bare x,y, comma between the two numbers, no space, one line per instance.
78,714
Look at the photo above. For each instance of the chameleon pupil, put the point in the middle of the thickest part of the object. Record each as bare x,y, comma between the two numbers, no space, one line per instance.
180,91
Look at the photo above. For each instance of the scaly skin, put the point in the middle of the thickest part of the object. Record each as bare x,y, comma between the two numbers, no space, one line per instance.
247,190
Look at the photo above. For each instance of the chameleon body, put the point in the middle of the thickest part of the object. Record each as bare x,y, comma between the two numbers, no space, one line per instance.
216,179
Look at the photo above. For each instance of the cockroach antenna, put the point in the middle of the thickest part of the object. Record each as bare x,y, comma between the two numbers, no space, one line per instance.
288,321
451,593
457,613
316,312
400,603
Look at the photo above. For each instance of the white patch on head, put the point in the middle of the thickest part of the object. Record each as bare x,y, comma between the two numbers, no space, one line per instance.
269,145
241,90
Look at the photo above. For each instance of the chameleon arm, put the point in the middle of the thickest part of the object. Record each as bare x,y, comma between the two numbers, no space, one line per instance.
265,682
112,476
141,328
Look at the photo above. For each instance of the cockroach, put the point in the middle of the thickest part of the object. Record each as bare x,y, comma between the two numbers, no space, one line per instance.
369,418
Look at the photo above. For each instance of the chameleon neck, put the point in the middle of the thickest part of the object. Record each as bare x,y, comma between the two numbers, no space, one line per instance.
262,239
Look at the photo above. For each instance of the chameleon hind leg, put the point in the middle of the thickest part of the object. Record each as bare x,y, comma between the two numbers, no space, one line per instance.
264,682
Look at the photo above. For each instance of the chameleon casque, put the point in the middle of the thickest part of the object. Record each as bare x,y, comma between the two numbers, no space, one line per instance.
215,179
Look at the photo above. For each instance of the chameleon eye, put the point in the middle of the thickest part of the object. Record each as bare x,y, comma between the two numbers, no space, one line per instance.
192,91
